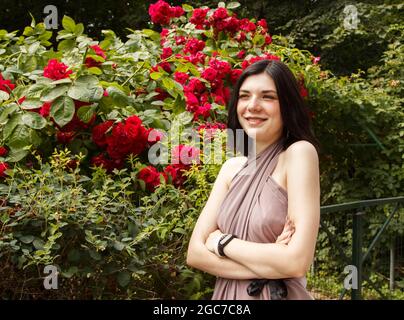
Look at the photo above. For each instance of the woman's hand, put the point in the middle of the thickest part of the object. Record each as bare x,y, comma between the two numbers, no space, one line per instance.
287,233
212,240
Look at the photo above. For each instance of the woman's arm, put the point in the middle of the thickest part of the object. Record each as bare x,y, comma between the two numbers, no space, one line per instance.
274,260
198,255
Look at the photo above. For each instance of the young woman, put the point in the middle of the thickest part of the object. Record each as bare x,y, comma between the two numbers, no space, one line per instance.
257,232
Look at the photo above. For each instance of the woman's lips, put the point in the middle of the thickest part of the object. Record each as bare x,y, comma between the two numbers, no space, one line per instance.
254,121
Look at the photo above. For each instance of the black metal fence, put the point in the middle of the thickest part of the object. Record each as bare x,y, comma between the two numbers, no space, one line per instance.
350,256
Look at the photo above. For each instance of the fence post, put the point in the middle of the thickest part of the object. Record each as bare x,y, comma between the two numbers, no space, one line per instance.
357,253
392,249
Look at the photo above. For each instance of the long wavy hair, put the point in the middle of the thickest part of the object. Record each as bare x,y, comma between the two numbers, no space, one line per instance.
294,112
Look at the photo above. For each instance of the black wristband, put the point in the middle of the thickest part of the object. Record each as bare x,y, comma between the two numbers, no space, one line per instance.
224,242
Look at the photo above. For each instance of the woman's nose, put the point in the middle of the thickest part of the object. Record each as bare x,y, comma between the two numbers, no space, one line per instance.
253,104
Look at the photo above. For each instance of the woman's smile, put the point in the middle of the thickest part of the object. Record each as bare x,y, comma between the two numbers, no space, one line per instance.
255,121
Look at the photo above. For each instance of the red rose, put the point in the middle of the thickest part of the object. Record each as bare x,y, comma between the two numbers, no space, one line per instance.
203,111
151,177
220,14
162,94
198,17
241,54
45,109
191,99
176,173
3,167
195,85
177,11
247,25
99,133
107,164
167,52
127,138
263,24
56,70
90,62
303,91
3,151
65,137
268,39
193,46
222,67
164,65
160,12
6,85
209,74
181,77
235,74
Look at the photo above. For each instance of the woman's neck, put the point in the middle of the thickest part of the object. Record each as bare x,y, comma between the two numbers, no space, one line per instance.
262,145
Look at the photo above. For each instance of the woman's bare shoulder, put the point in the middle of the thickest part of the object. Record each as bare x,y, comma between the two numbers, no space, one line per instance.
301,147
231,166
302,154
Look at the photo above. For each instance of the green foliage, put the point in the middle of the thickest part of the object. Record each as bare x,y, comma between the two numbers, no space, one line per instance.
97,230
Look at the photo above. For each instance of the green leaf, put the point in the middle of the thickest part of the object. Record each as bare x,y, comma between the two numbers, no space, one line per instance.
221,5
55,93
156,75
34,120
80,93
118,97
29,104
95,70
69,273
73,255
168,83
184,117
96,57
16,155
123,278
233,5
38,243
152,34
66,45
35,89
119,245
4,96
23,136
78,29
85,113
11,125
60,81
68,24
62,110
27,239
180,230
88,81
187,7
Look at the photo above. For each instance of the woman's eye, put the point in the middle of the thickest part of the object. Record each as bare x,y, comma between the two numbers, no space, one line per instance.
269,97
242,96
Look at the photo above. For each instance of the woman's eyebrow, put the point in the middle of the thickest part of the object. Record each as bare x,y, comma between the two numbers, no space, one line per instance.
263,91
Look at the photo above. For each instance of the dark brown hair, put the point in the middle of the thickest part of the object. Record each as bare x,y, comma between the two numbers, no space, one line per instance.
294,112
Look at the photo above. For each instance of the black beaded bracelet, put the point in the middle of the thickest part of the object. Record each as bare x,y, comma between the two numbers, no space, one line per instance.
224,241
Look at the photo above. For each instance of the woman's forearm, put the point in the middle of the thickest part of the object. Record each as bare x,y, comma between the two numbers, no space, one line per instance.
268,260
207,261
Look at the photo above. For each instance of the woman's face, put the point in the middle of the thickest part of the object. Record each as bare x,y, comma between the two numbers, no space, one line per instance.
258,109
